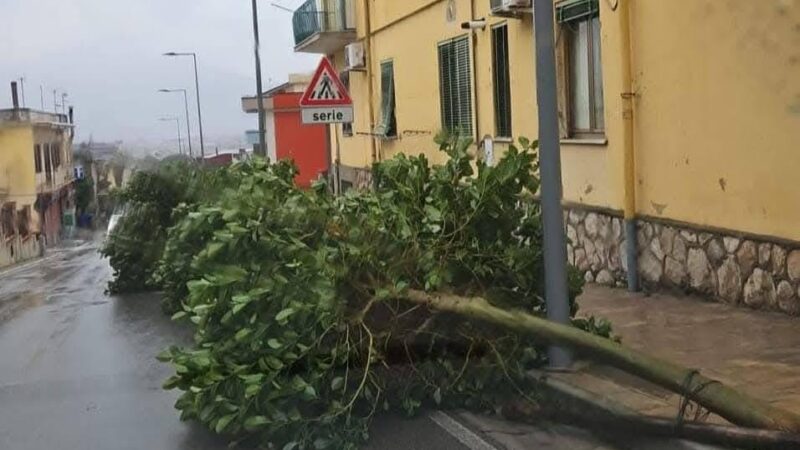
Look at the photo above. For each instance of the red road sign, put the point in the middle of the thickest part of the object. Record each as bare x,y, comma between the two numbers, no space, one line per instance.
326,89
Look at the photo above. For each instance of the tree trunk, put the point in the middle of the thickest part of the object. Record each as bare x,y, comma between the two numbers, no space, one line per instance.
712,395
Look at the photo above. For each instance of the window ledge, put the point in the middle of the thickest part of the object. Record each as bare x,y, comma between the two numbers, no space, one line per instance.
504,140
585,141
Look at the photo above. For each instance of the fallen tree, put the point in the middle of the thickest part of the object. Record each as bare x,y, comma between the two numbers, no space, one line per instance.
312,312
730,404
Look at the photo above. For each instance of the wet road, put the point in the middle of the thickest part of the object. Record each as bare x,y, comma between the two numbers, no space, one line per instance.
78,372
78,368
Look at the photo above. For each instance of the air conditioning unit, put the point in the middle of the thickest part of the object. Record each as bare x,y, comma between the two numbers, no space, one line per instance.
354,57
510,8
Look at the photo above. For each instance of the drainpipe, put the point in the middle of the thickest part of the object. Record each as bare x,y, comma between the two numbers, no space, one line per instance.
474,37
370,90
629,170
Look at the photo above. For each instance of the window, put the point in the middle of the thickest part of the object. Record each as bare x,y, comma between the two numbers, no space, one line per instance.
347,128
387,128
455,86
581,25
7,219
502,81
37,158
23,221
48,167
55,150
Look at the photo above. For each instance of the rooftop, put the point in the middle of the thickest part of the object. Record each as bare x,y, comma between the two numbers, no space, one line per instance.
31,116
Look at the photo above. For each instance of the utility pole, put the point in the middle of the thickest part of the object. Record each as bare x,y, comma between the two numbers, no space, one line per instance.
555,252
41,93
55,102
259,98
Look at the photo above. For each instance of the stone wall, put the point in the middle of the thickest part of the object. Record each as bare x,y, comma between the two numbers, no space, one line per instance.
755,273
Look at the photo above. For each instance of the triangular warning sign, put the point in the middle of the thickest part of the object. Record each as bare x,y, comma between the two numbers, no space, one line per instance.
326,89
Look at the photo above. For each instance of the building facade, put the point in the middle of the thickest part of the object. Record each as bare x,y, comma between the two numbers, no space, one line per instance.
285,134
36,176
682,117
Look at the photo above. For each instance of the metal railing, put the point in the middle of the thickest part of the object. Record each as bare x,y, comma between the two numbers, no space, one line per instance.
320,16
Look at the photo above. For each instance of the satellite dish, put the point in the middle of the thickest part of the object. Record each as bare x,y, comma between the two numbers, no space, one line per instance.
451,11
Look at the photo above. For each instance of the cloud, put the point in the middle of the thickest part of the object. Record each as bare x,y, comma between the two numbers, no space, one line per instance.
106,54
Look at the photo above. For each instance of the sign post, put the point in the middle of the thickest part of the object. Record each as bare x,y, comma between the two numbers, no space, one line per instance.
326,100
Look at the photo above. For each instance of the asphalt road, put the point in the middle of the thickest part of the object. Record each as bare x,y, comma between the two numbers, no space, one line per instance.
78,372
78,368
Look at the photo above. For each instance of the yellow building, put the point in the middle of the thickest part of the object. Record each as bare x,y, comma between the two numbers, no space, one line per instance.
699,99
35,181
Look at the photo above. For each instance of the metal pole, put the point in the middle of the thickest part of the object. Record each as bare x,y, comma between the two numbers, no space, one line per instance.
180,141
41,93
22,89
188,126
55,102
199,114
555,253
259,97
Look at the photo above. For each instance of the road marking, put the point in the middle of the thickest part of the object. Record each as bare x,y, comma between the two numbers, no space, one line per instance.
460,432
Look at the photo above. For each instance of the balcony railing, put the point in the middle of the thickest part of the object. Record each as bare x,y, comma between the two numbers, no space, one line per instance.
316,18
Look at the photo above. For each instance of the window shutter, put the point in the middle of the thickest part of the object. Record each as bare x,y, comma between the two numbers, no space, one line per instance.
388,124
455,86
502,82
576,9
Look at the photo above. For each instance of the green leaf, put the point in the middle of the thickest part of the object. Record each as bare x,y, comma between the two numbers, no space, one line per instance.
223,423
337,383
242,334
165,356
226,275
274,344
285,314
290,446
179,315
437,396
255,422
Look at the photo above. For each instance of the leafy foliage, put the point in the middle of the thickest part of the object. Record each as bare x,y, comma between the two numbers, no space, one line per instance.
302,333
84,194
137,243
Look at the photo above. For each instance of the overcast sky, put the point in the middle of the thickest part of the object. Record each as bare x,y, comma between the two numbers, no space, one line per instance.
106,54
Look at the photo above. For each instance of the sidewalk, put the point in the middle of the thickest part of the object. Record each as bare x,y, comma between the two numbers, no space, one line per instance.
752,351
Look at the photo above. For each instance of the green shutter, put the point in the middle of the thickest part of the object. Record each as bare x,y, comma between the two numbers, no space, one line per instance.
387,127
455,86
576,9
502,81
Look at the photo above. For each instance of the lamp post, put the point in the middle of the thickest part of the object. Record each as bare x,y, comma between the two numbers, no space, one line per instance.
178,124
197,92
259,98
188,125
555,252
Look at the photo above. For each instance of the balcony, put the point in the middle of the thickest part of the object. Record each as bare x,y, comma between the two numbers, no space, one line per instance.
324,26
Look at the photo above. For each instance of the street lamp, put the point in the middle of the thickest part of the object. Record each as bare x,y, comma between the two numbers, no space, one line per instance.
178,124
197,92
188,125
259,97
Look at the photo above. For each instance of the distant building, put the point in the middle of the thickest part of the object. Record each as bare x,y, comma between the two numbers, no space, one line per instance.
36,194
222,158
286,136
